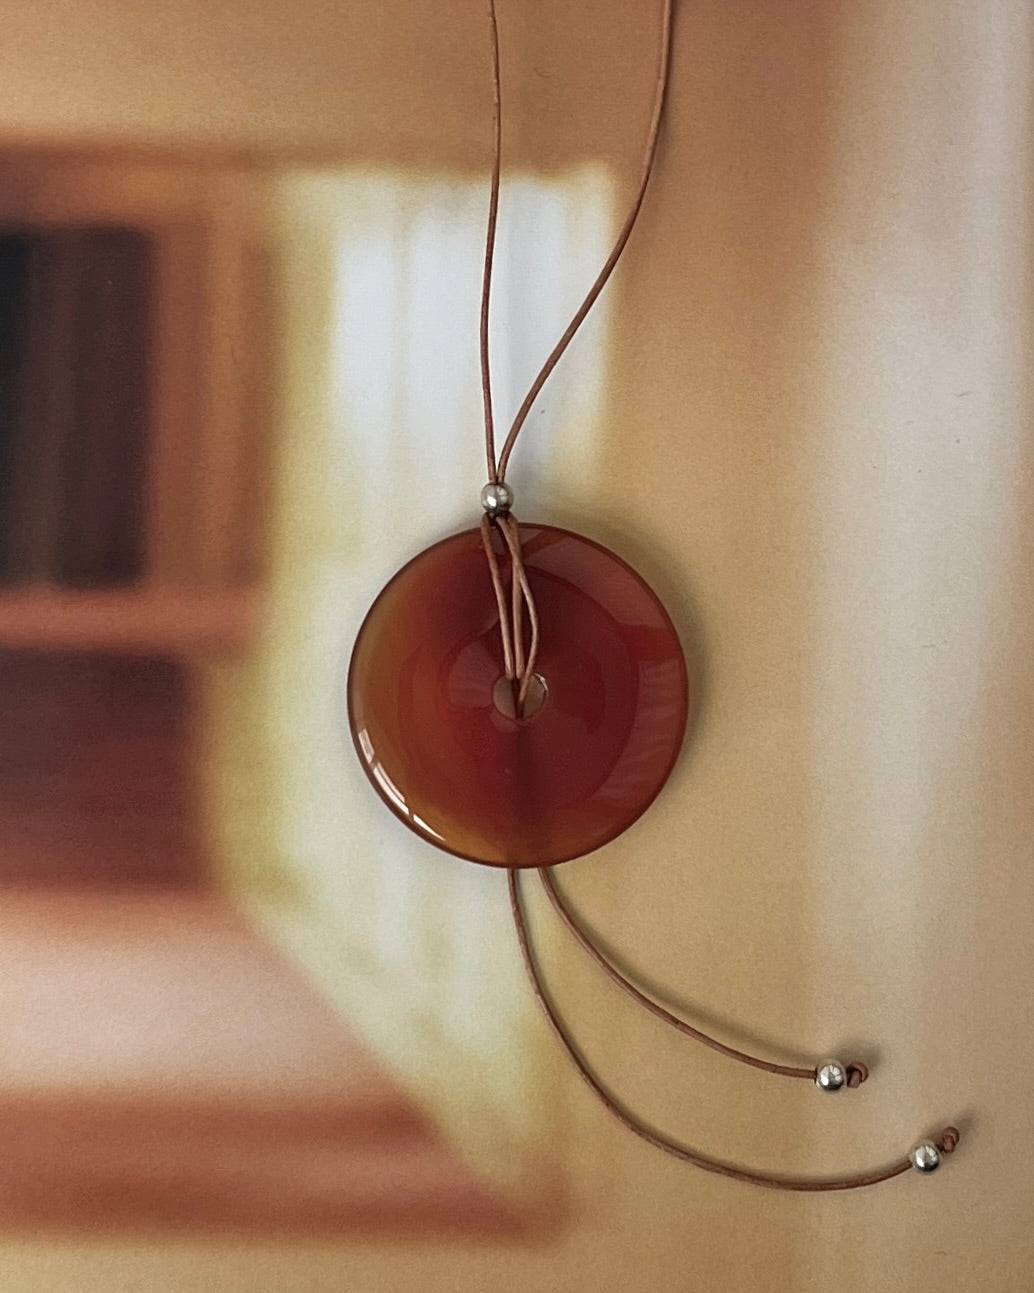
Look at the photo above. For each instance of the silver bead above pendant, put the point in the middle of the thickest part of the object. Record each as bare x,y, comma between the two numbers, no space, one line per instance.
831,1075
925,1157
497,498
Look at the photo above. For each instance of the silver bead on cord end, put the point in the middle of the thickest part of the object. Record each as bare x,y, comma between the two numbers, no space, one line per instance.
831,1075
497,498
925,1157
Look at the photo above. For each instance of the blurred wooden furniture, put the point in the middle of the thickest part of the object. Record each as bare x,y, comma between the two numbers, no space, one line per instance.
163,1068
96,681
162,1065
210,381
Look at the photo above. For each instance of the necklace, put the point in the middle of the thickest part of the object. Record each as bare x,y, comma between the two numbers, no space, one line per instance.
518,697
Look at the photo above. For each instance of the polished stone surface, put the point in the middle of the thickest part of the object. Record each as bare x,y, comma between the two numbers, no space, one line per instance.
423,695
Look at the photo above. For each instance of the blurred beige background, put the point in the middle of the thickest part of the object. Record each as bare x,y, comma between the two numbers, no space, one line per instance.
813,436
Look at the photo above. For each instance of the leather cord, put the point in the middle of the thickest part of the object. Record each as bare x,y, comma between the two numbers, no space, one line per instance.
645,171
494,474
518,667
514,599
946,1142
857,1072
510,619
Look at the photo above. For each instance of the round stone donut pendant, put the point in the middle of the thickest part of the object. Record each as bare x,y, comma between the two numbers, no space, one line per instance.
433,720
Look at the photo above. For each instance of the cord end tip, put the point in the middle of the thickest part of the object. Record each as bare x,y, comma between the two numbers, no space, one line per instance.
949,1140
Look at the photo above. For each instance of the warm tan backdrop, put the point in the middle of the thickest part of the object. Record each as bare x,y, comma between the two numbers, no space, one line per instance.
816,442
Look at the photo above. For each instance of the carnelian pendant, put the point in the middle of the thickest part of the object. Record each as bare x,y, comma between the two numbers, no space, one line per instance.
433,723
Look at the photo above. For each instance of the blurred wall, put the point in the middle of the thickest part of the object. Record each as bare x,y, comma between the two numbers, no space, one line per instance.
389,80
816,444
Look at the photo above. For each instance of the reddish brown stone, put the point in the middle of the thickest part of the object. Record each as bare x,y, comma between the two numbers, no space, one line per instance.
478,782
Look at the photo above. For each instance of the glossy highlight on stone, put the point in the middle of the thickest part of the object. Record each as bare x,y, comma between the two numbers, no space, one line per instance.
423,693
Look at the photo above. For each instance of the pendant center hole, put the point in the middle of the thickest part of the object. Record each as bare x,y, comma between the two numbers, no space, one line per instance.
504,697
